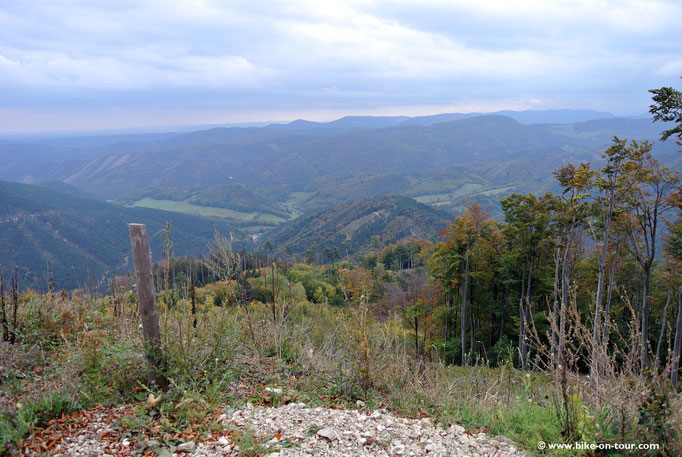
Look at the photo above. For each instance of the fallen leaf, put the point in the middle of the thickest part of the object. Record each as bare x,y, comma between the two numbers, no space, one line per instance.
152,400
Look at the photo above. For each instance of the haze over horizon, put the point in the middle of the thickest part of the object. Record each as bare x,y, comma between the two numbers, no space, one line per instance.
76,66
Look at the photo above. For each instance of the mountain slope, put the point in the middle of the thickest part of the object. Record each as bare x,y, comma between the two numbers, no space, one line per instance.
348,159
353,225
43,230
281,159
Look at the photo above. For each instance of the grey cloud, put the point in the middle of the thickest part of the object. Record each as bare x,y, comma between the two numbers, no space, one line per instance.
302,55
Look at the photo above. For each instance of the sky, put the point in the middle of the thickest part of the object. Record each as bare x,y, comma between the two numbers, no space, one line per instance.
90,65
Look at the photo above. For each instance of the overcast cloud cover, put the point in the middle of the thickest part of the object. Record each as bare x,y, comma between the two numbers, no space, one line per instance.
83,64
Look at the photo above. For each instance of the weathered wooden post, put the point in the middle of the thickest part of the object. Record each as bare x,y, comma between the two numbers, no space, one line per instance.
142,259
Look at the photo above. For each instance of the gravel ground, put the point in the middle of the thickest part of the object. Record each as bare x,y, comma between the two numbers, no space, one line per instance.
295,430
300,431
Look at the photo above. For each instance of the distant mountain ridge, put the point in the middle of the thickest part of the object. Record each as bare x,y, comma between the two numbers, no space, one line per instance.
303,165
272,159
551,116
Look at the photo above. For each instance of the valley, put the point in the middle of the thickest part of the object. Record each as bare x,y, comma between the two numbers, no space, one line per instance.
184,206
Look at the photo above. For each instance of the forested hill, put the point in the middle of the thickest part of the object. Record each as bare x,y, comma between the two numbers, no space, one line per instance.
351,227
277,172
42,230
301,156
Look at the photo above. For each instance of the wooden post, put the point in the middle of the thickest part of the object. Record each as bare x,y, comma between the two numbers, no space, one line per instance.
142,258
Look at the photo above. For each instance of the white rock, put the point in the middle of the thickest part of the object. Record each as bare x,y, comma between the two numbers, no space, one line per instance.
398,450
274,390
186,446
328,434
456,428
223,441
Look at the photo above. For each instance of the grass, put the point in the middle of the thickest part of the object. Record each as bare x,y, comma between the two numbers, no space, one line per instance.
294,202
74,354
495,191
449,197
184,206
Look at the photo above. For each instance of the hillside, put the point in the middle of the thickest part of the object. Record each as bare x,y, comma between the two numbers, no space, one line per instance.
278,160
352,226
45,230
269,174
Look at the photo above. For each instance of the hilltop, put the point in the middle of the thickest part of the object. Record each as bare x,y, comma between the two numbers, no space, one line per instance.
352,227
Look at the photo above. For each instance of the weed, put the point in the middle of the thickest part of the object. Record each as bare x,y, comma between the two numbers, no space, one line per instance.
249,444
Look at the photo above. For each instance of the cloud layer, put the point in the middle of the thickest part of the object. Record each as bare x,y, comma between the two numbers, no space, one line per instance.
76,64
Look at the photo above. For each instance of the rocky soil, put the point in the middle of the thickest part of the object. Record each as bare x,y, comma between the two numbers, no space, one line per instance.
301,431
293,430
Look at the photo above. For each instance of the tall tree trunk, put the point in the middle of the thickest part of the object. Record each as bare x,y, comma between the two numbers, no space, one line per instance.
660,336
678,342
645,319
472,337
607,306
524,310
555,308
596,331
565,277
504,311
522,322
448,305
465,291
